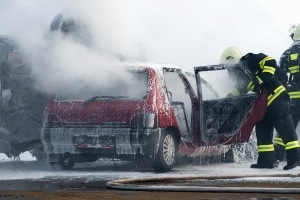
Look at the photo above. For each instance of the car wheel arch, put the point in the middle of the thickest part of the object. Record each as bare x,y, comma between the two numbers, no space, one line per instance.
175,132
165,158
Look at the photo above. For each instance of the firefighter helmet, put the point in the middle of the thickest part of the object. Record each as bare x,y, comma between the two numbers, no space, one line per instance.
296,35
230,55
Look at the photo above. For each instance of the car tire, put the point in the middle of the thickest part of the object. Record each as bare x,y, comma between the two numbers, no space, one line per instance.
228,157
166,155
67,162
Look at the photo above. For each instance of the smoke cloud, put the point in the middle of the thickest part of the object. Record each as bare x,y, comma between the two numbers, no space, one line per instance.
189,33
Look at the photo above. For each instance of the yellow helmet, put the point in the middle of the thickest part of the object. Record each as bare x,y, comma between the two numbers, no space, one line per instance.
231,55
296,35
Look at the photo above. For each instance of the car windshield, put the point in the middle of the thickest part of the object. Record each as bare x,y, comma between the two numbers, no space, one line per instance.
130,84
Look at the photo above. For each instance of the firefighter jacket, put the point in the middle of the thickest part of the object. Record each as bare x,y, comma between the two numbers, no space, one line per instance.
262,68
290,63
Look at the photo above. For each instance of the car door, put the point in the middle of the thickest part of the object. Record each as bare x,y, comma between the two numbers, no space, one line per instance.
225,119
182,101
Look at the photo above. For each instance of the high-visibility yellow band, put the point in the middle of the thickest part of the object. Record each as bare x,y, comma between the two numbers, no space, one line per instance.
262,62
292,145
294,69
294,56
278,140
250,86
277,92
259,80
295,95
235,92
269,69
265,148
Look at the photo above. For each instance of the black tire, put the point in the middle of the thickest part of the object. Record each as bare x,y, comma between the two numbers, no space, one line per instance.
166,155
67,162
228,157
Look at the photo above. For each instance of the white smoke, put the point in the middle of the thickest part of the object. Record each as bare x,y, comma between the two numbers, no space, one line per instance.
189,33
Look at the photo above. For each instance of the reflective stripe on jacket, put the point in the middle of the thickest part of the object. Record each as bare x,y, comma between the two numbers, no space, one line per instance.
294,94
276,93
272,96
265,67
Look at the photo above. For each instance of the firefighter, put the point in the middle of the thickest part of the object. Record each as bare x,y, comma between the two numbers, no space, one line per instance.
230,58
278,115
290,63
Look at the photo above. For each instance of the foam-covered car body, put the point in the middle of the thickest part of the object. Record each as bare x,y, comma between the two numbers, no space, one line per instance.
158,113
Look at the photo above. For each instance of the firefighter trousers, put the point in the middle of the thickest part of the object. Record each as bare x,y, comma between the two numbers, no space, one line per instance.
278,116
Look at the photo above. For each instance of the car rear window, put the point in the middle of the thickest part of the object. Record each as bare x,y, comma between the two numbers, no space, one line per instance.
130,84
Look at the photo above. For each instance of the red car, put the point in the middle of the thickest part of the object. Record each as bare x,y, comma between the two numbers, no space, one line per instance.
159,113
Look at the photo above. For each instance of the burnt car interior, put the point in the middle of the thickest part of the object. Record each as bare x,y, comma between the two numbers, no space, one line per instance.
222,115
227,114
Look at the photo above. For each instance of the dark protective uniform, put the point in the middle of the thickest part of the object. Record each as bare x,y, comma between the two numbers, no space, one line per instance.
278,114
290,63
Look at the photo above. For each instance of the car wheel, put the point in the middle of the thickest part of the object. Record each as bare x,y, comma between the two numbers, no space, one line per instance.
67,162
228,157
166,155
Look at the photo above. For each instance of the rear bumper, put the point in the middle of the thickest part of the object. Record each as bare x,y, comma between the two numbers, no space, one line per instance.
121,141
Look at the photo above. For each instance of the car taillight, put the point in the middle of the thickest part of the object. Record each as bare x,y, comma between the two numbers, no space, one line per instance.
51,120
144,121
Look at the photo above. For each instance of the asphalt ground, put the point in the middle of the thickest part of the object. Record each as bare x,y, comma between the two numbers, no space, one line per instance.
107,180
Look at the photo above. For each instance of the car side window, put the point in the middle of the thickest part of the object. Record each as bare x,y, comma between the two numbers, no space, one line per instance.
192,79
175,85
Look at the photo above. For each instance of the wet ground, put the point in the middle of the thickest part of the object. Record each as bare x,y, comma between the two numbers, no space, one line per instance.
81,189
28,180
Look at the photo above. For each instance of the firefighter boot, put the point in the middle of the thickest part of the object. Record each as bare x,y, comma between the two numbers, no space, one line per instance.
279,153
292,158
265,160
